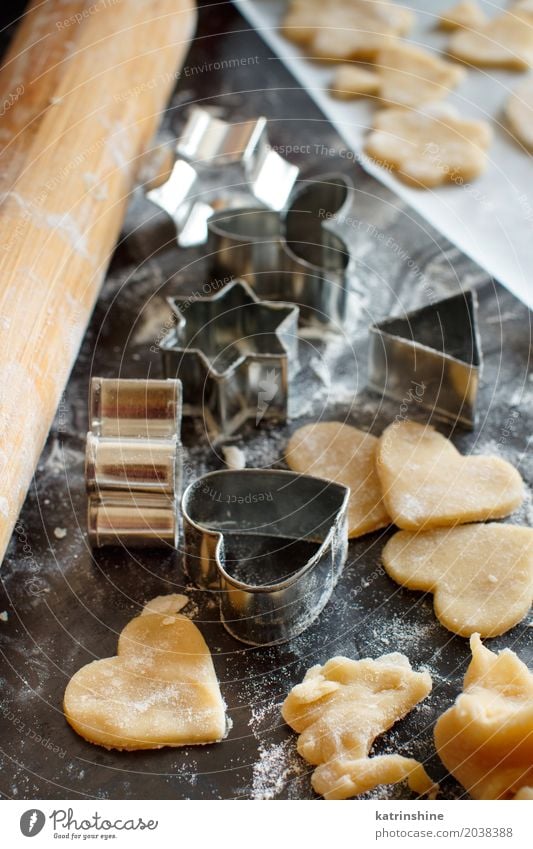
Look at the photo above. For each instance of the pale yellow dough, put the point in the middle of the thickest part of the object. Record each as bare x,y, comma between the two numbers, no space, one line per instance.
519,112
427,483
428,149
410,76
505,41
160,690
486,738
344,454
344,29
481,575
340,708
465,15
351,81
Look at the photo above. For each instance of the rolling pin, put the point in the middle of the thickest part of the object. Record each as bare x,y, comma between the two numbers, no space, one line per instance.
81,93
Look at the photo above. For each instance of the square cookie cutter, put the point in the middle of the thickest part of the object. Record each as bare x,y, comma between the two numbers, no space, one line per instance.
272,545
434,351
235,355
225,164
133,462
295,256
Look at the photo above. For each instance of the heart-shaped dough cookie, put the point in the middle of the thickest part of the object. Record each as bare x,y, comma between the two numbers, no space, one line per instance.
427,483
464,15
160,690
481,575
427,148
344,454
486,738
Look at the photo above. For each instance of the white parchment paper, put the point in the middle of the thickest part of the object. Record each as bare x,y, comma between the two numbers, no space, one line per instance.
491,219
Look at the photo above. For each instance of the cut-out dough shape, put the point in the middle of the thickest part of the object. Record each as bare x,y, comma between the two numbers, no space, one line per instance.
428,149
344,29
481,575
465,15
519,112
160,690
340,708
411,76
486,738
351,81
427,483
344,454
503,42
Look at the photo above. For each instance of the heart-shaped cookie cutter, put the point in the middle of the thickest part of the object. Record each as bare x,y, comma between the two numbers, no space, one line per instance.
254,523
295,256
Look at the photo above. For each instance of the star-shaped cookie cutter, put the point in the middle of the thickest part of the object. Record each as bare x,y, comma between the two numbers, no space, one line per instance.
272,544
432,356
234,354
220,164
294,256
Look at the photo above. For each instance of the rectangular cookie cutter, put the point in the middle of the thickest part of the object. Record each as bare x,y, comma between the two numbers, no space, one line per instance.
433,352
133,462
285,530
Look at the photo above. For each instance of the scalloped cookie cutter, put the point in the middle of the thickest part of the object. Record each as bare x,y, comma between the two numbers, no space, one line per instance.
245,530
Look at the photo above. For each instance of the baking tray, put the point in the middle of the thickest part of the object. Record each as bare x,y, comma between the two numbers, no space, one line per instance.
66,605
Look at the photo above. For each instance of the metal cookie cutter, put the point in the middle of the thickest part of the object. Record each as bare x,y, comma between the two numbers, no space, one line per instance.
271,543
133,461
294,257
224,164
434,351
234,354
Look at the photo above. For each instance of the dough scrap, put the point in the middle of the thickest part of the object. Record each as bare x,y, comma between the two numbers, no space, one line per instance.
410,76
344,29
167,604
465,15
503,42
481,575
427,149
346,455
351,81
486,738
519,112
340,708
160,690
427,483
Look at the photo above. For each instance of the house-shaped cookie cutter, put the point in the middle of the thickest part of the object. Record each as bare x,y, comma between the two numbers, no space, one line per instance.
272,544
133,462
433,354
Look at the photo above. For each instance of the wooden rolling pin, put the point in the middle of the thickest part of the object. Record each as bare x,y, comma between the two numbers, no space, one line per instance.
81,93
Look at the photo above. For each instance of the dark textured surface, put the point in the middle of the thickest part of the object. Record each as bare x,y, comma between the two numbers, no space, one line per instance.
66,606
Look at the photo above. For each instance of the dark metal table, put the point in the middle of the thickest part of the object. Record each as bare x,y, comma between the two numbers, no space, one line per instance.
66,606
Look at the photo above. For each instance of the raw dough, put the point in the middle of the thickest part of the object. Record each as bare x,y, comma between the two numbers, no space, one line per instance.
351,81
166,604
160,690
503,42
465,15
344,29
341,453
519,112
486,738
410,76
429,149
427,483
481,575
340,708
